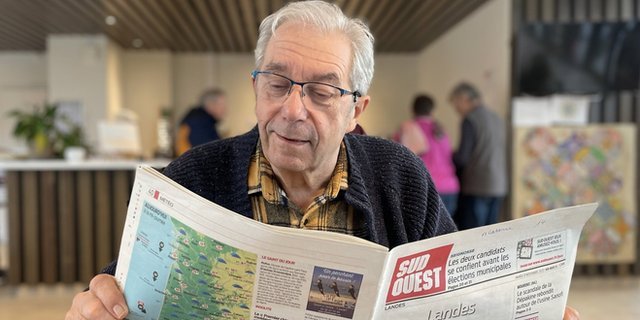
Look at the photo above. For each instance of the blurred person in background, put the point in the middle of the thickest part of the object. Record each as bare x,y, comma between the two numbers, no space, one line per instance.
424,136
199,125
480,160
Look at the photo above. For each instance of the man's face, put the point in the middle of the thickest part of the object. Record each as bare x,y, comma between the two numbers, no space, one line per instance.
216,107
295,134
461,103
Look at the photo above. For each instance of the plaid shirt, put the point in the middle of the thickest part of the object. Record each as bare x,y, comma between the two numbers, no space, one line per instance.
327,212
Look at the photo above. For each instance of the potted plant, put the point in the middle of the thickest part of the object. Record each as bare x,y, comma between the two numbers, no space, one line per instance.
47,132
69,141
37,128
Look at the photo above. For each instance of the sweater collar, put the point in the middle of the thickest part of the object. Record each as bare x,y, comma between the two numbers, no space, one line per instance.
357,195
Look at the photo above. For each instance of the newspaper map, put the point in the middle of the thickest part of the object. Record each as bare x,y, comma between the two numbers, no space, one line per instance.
191,276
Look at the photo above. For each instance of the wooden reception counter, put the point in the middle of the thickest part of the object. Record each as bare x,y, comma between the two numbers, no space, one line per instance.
65,218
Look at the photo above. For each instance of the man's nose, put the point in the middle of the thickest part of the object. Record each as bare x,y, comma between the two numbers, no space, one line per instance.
293,106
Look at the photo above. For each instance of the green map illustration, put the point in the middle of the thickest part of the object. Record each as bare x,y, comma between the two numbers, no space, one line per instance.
182,274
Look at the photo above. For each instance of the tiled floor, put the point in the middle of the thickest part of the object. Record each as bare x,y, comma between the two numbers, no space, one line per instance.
595,298
41,302
606,298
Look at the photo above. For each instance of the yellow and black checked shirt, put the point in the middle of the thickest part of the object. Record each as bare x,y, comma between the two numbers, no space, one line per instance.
327,212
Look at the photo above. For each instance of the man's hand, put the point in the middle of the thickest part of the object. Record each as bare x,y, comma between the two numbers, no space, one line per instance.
570,314
103,301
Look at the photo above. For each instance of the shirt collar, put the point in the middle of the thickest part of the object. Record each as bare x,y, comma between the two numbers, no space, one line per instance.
261,178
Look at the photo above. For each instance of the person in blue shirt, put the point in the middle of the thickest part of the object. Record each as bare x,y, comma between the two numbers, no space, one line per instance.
199,125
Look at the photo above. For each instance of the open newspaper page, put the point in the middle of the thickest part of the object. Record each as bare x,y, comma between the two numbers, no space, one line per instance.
183,257
519,269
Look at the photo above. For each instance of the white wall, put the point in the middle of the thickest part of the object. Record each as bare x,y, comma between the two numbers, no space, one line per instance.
193,72
147,88
392,91
114,79
23,84
235,78
77,72
476,50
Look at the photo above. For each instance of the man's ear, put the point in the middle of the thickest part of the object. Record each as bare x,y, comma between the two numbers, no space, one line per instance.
361,105
255,90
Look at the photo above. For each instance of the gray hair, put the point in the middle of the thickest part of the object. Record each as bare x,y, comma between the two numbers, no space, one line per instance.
467,89
327,17
211,94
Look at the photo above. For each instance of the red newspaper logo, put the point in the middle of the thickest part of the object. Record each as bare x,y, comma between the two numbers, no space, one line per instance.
156,195
419,274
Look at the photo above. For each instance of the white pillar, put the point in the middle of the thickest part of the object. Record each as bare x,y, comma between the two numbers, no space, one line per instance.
85,69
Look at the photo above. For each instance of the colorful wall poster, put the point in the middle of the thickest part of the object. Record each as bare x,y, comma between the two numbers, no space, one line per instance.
562,166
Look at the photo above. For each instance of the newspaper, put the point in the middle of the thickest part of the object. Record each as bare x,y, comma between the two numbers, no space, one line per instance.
183,257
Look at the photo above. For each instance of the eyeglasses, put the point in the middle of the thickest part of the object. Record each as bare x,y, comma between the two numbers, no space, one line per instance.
278,87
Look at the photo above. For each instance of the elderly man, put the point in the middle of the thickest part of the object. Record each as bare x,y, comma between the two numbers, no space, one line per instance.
480,160
299,168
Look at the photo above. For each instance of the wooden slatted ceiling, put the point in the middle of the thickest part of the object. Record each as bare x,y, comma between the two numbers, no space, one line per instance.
214,25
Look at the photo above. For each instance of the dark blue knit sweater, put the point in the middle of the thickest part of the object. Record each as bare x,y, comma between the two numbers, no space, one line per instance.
388,184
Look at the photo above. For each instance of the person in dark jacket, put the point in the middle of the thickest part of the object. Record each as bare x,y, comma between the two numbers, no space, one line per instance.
481,160
199,125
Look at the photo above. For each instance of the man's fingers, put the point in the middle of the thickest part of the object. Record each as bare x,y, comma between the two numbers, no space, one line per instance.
74,314
571,314
87,306
106,290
